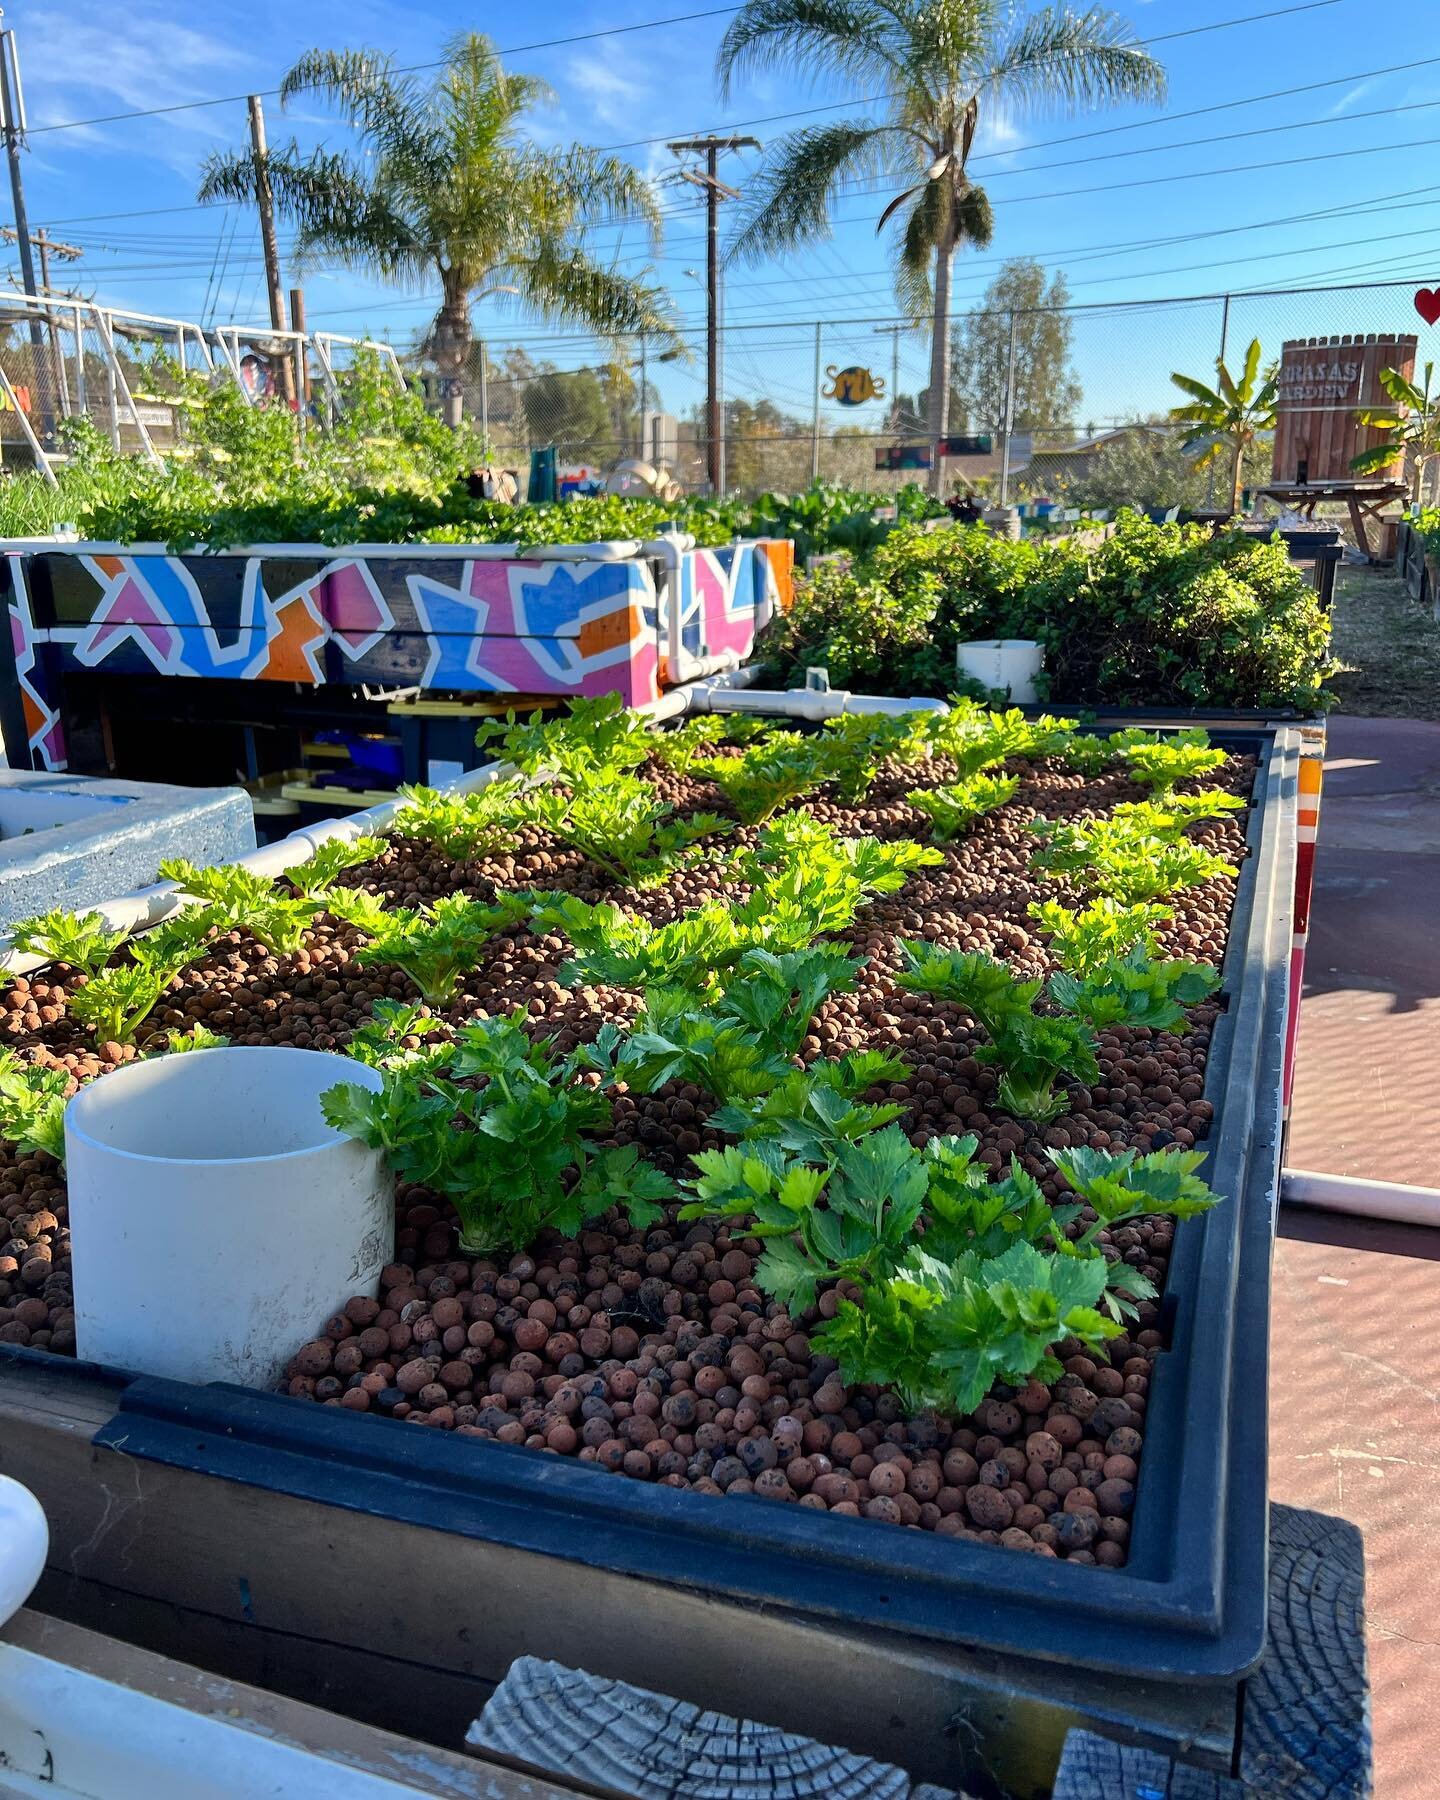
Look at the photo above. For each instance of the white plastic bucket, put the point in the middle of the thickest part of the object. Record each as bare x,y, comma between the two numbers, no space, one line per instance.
216,1220
1009,664
26,1538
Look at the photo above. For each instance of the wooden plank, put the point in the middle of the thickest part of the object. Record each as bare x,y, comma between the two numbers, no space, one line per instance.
1094,1768
652,1747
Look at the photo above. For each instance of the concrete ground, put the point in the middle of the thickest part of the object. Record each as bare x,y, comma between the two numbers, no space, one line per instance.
1355,1311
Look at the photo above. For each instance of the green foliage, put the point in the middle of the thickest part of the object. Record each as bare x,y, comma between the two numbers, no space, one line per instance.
1228,419
1031,1051
177,941
32,1107
198,1037
1159,615
1090,755
596,736
822,519
438,945
617,822
856,744
354,906
315,878
81,941
465,826
237,898
781,767
1134,990
116,1002
953,808
742,1045
1086,939
618,949
514,1156
682,747
942,1334
1114,858
1173,816
1160,766
379,1041
1411,424
1120,1185
976,737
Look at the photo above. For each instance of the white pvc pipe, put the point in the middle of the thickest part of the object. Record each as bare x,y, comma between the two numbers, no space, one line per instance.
1394,1201
178,1169
805,703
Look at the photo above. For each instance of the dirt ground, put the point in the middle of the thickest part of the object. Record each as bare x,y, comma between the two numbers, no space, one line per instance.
1386,648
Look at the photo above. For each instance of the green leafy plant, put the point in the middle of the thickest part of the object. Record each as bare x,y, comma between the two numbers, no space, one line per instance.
682,748
238,897
1090,755
813,1111
444,941
595,736
379,1041
32,1106
618,823
1135,990
856,745
367,912
781,767
1161,765
82,941
115,1003
198,1037
1031,1051
739,1048
1173,816
1411,426
515,1155
953,808
465,826
1112,858
1120,1185
619,949
315,878
1088,938
1230,417
943,1333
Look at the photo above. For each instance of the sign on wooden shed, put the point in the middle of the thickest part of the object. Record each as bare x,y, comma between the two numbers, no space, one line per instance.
1323,381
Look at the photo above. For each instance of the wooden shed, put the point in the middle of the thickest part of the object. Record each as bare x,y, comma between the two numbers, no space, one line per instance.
1322,383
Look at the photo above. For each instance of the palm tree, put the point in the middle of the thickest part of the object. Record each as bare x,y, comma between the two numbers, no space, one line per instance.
1411,427
936,67
445,184
1229,416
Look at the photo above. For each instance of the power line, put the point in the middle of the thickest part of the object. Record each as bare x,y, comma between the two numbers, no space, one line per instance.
578,37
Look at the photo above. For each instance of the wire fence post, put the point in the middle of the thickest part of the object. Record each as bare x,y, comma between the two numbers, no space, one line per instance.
484,398
1007,417
815,415
1219,364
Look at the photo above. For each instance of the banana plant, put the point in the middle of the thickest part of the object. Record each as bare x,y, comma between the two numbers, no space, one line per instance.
1228,417
1411,427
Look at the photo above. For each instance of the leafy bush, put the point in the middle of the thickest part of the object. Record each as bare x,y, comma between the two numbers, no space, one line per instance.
1156,614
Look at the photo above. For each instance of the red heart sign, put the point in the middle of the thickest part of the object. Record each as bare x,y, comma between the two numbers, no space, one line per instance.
1427,304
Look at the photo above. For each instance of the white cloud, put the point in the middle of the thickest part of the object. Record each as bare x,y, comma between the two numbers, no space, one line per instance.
1349,97
617,93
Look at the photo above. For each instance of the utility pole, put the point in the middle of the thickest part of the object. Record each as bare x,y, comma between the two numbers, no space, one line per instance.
302,362
12,122
715,190
893,332
44,243
265,202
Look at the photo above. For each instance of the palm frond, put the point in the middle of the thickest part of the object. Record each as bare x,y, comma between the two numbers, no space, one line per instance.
814,40
569,288
924,228
389,111
1058,58
1197,390
589,187
1252,367
788,202
339,213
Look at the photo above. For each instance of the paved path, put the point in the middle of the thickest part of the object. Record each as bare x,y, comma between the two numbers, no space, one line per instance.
1355,1312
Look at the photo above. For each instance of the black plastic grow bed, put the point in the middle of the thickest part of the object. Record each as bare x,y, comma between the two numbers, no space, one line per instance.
1189,1605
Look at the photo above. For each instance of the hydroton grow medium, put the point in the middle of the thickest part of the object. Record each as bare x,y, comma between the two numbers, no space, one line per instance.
652,1356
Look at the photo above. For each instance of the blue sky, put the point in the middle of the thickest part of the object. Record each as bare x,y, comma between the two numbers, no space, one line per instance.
1116,242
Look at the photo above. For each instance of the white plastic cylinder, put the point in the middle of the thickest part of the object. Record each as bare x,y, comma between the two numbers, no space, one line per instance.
217,1221
26,1540
1010,664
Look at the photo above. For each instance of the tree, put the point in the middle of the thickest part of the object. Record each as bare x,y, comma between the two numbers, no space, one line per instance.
1046,390
445,184
1411,427
567,408
940,65
1144,467
1228,417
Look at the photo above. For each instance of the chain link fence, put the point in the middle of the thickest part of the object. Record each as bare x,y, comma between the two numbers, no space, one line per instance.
1057,403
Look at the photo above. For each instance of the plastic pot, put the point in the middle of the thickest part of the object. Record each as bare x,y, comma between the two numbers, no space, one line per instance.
217,1219
1009,664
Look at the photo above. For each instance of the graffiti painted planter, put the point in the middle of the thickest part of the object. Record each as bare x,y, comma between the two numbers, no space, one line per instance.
626,618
